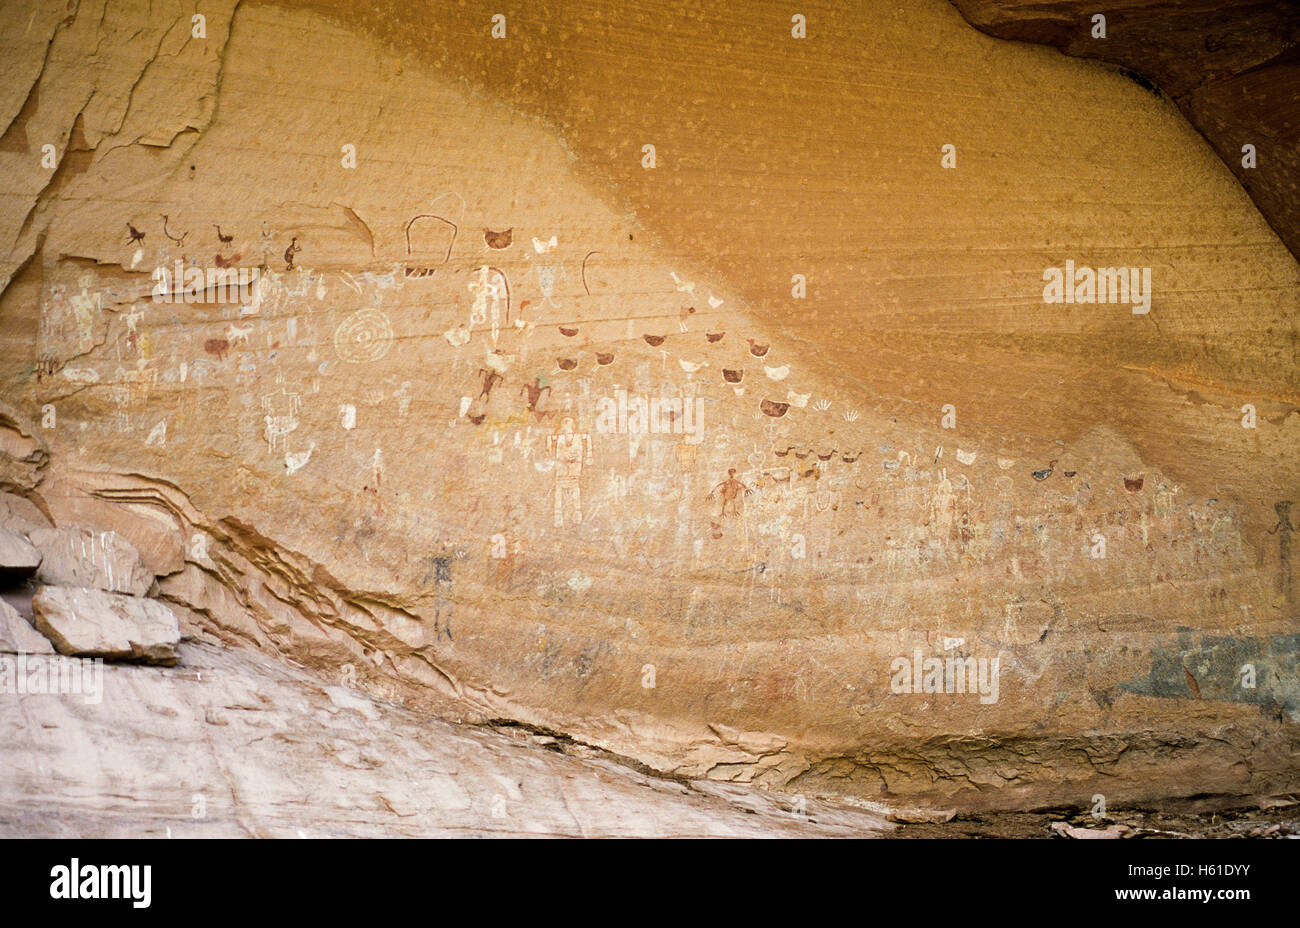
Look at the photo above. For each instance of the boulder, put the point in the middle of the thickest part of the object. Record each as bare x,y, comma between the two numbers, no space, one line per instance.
18,559
78,556
93,623
17,634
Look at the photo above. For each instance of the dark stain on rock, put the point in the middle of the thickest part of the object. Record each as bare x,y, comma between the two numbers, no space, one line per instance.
1214,668
1145,83
1104,698
1283,530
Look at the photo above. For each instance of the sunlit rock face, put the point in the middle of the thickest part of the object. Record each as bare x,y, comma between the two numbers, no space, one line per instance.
795,449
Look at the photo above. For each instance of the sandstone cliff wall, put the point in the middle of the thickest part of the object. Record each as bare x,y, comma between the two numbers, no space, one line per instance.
411,452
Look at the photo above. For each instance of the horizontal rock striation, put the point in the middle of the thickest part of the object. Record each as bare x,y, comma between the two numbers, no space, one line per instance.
758,457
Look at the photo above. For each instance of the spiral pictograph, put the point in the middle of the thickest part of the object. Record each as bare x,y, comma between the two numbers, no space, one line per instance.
363,336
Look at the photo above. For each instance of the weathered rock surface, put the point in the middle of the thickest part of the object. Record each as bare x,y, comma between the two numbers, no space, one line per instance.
86,557
18,558
235,745
17,634
23,452
420,447
92,623
19,514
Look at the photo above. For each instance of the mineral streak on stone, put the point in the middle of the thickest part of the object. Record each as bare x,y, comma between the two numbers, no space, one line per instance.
387,464
82,556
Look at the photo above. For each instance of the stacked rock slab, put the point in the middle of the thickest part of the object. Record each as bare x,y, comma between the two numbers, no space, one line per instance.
18,558
17,634
84,557
113,626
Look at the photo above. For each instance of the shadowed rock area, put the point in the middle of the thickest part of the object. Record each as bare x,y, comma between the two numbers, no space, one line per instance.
656,379
1232,68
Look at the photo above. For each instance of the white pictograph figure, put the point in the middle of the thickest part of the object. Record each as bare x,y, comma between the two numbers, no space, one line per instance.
547,276
281,418
572,451
488,292
133,319
617,489
67,326
941,507
86,308
120,395
479,287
